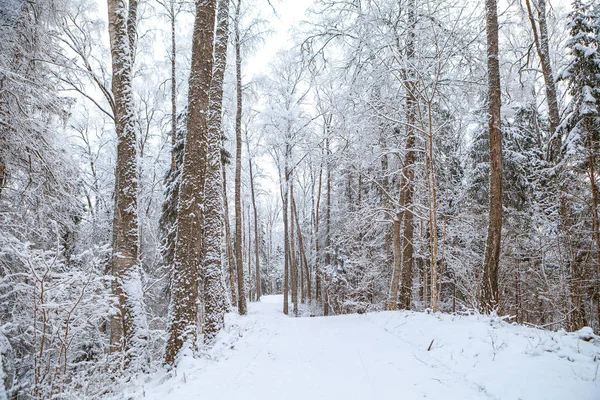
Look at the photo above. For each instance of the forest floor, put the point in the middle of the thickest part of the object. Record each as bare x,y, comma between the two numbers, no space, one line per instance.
385,355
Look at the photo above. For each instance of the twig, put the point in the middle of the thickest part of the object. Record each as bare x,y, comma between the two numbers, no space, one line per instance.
430,344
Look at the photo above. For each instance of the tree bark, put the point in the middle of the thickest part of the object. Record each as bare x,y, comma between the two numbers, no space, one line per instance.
327,225
2,176
595,218
302,252
228,243
318,266
129,329
293,264
575,310
214,296
255,211
173,86
249,252
408,168
543,51
432,194
188,245
393,296
286,242
242,307
490,296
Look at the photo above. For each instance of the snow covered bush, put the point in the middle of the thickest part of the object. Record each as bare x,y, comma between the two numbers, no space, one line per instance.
59,312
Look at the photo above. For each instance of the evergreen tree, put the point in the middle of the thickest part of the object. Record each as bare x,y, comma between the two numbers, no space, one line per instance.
581,146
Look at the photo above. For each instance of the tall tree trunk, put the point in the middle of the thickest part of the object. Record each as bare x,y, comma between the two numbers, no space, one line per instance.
490,296
318,266
432,195
327,225
575,310
228,243
242,308
173,86
595,218
3,175
543,51
169,212
214,296
302,253
255,211
188,246
129,329
408,168
301,266
293,264
249,252
396,270
286,242
317,239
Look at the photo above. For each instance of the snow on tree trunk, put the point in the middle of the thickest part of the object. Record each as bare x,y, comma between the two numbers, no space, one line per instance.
216,98
183,310
408,169
129,329
238,167
293,264
489,296
172,16
302,250
286,241
214,296
2,175
327,225
228,241
255,214
6,367
397,269
543,51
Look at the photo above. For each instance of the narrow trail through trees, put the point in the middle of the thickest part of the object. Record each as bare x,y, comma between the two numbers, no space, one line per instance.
367,356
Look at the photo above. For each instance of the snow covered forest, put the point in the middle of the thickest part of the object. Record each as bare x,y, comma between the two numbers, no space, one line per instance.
181,182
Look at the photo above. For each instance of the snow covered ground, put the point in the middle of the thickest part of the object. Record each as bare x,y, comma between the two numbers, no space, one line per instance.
268,355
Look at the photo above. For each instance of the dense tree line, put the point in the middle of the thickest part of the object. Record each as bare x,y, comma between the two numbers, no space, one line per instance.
402,155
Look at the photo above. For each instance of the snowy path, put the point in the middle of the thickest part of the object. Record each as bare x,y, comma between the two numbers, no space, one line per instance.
377,356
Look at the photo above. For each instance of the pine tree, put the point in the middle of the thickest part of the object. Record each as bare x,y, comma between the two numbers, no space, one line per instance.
583,126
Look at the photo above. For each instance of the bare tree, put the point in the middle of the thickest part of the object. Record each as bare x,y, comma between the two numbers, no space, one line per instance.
540,38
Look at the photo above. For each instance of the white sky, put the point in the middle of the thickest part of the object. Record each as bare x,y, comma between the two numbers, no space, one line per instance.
289,14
